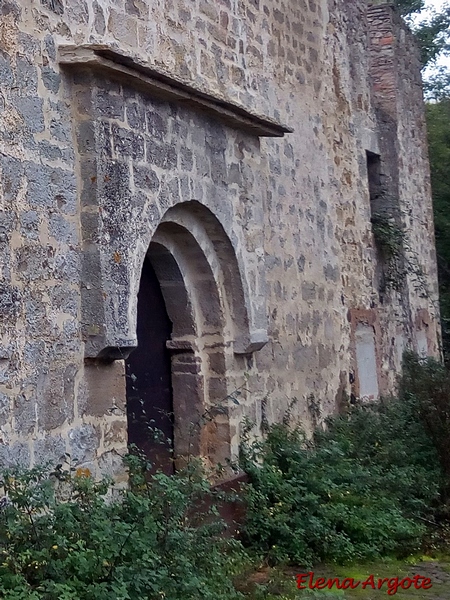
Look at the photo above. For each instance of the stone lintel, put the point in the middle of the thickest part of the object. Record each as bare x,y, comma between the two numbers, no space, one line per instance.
165,87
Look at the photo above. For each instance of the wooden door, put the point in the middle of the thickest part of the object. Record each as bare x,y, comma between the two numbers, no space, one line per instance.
148,370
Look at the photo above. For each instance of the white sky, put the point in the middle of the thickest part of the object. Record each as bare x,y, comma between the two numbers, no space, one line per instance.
434,3
430,5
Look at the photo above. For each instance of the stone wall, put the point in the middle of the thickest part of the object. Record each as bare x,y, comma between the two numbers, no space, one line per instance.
397,94
125,123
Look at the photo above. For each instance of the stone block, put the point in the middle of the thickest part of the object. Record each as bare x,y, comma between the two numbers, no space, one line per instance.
217,363
51,79
135,116
331,273
99,18
5,408
61,130
217,391
122,27
111,464
106,387
26,83
309,291
88,168
50,47
10,302
186,159
78,13
31,110
83,443
14,455
303,358
55,6
50,450
33,262
116,434
39,185
49,150
24,408
109,105
6,73
127,143
64,231
114,184
67,266
145,178
163,156
67,303
53,406
86,137
156,125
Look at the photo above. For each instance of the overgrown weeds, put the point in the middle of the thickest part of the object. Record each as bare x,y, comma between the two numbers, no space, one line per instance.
365,487
148,543
426,383
372,483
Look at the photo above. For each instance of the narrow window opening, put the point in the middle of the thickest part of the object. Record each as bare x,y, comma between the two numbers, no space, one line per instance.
387,231
374,177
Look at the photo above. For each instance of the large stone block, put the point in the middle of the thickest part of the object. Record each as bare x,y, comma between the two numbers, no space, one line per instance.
105,384
14,455
83,443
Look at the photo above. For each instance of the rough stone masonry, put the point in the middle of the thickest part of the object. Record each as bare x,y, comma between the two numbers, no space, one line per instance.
244,147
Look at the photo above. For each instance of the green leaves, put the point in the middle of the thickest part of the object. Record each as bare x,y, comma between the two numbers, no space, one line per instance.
408,7
66,537
356,493
438,123
432,33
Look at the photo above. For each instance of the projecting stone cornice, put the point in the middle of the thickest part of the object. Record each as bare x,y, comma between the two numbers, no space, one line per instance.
163,86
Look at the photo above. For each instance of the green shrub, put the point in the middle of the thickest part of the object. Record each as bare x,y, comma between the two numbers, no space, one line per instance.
359,490
426,383
62,537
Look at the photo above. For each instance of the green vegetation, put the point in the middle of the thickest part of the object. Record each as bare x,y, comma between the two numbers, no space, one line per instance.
279,583
438,122
425,385
432,33
360,491
390,241
366,487
373,485
62,538
397,257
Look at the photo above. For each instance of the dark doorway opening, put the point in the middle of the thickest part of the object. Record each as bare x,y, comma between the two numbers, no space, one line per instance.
148,376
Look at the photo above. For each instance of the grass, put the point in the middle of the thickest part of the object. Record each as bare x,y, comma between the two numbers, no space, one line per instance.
280,583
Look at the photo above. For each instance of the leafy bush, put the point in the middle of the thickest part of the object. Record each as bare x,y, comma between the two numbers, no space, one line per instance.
362,488
426,383
62,537
359,490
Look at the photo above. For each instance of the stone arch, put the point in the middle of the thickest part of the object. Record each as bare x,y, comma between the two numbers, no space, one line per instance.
236,293
200,280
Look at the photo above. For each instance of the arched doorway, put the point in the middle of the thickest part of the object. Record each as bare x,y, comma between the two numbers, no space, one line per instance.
148,377
190,272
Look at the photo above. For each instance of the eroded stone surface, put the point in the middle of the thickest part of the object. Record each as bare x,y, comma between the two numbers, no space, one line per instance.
90,167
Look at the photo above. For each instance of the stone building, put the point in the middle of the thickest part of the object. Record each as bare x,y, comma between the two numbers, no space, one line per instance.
255,169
